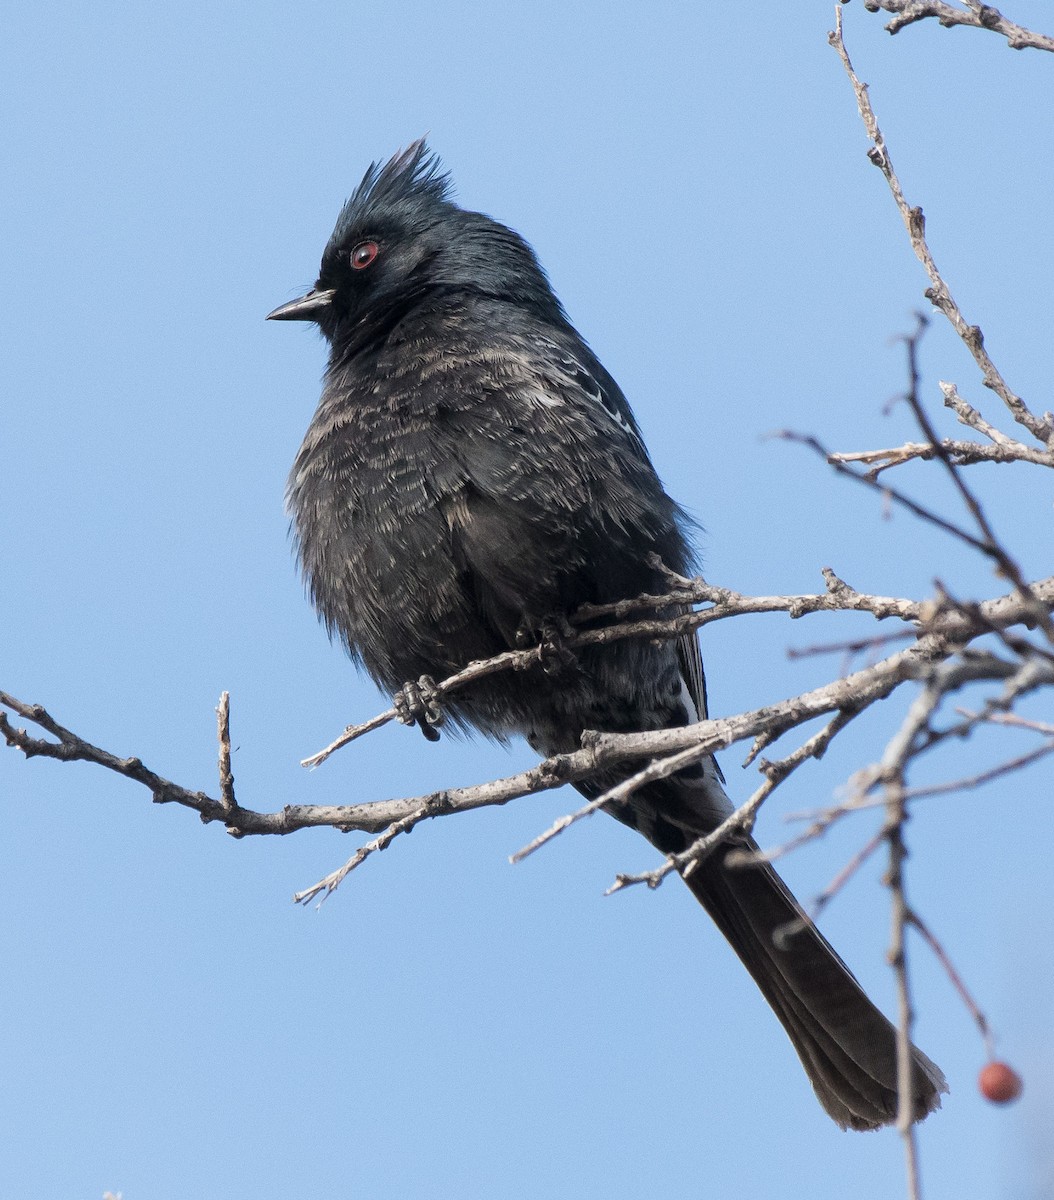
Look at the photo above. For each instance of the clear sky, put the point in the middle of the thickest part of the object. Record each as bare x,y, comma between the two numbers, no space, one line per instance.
694,178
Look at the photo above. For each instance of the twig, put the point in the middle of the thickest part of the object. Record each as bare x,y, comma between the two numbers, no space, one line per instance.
905,1012
892,772
1012,719
72,748
737,822
956,979
223,723
845,874
946,677
889,493
479,669
848,648
815,747
1020,647
838,597
334,879
969,416
742,820
658,768
968,782
963,454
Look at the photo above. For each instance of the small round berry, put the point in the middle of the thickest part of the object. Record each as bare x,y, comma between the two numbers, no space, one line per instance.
999,1083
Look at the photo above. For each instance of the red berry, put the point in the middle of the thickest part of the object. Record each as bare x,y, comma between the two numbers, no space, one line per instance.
999,1083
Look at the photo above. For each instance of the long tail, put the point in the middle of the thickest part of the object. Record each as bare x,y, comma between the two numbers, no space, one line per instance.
848,1048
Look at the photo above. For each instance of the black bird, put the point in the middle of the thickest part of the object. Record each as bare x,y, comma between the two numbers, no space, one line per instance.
473,475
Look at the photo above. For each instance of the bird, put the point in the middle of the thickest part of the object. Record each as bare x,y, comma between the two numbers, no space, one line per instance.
471,477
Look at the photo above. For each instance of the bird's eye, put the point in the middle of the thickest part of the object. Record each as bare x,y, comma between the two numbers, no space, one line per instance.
363,254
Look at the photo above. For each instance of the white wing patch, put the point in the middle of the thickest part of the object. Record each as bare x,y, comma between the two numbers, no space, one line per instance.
587,385
548,399
686,699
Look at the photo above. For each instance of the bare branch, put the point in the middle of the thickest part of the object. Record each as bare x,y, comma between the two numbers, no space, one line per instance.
740,821
942,633
223,723
976,14
968,415
968,782
851,647
1011,719
327,886
516,659
906,1014
724,603
72,748
1003,449
845,874
992,546
658,768
988,544
891,770
963,454
956,979
946,678
938,292
889,493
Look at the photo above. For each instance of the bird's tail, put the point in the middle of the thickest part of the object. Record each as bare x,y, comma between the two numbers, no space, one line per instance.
848,1048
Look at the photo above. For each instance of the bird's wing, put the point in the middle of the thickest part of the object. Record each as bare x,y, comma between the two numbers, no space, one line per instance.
595,386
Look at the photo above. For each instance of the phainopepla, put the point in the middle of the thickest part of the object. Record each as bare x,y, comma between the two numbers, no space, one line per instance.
471,477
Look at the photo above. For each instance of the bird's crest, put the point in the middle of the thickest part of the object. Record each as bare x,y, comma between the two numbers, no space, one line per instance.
412,182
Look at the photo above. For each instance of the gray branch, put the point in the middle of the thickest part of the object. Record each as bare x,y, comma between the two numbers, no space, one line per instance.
975,14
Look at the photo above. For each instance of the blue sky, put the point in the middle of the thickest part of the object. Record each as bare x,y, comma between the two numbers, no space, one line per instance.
449,1025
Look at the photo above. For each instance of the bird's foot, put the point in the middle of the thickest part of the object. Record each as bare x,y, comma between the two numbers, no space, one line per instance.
417,703
551,638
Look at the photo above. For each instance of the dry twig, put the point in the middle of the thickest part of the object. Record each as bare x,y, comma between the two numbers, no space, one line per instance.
938,293
975,14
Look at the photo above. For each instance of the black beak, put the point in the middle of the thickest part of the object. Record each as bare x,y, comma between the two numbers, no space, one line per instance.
307,308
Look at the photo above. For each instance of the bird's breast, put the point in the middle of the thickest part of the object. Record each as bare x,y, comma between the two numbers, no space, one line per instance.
380,507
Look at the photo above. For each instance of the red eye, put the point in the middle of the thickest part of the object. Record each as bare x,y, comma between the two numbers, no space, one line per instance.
363,254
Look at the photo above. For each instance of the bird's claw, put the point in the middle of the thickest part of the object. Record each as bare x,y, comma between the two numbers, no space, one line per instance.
417,703
553,653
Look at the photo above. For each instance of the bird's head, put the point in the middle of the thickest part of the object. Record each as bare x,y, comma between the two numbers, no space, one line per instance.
399,239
